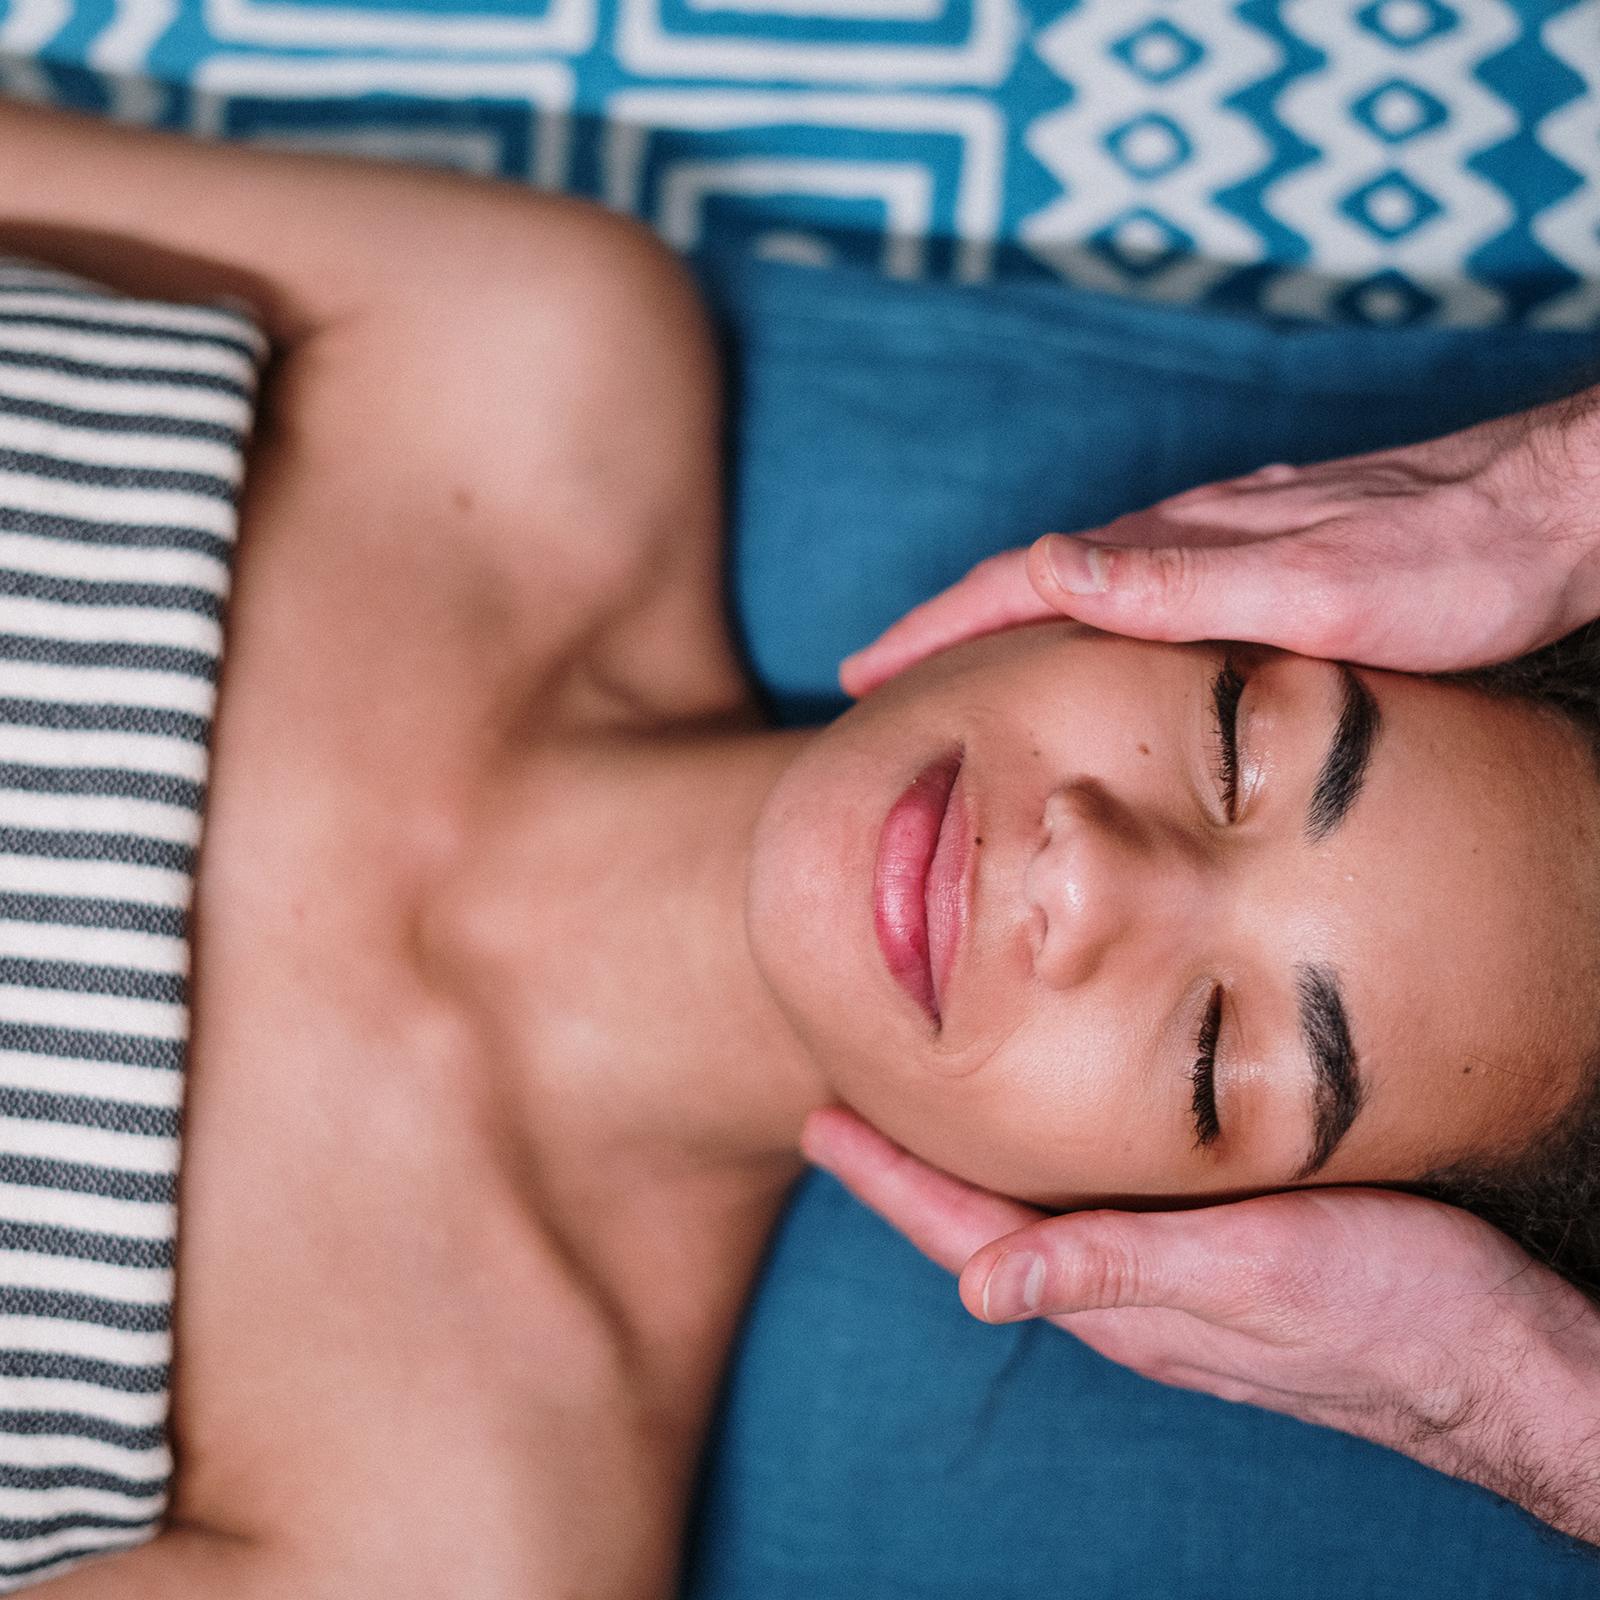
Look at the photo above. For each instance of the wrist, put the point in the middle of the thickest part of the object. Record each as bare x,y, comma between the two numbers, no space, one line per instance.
1532,1434
1563,443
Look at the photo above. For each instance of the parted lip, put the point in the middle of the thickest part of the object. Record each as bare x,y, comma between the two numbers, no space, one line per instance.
917,884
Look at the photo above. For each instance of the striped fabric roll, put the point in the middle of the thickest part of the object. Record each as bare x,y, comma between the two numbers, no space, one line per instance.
122,432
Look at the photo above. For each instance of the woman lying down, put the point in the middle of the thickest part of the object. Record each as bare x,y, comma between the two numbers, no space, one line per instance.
522,949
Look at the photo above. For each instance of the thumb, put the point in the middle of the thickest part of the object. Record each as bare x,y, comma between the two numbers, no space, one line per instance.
994,595
1270,591
1100,1261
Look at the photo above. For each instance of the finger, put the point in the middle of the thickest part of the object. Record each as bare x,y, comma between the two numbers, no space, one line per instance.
1271,476
946,1219
1190,1261
995,594
1299,591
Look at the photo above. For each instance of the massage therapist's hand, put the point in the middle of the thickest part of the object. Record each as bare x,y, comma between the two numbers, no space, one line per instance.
1455,553
1398,1319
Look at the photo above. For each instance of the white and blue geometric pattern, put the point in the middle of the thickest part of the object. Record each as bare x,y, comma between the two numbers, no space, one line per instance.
1343,160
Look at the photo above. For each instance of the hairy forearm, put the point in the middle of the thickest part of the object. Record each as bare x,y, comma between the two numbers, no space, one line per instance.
303,239
1561,481
1530,1430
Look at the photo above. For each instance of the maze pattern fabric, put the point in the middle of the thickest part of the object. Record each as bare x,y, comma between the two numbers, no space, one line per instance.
122,429
1388,161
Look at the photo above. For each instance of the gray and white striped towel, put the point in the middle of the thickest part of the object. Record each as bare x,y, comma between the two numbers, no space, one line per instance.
122,431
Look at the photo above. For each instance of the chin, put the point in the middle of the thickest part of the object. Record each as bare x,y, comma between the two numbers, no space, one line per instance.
808,896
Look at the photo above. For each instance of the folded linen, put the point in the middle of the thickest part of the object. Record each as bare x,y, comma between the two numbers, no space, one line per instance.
122,431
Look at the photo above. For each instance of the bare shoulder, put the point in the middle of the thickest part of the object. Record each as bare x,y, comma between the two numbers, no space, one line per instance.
533,433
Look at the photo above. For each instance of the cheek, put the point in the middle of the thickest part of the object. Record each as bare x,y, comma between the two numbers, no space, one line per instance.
1035,1117
1072,1111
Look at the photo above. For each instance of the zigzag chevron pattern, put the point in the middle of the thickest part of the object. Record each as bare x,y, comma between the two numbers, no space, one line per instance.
1342,160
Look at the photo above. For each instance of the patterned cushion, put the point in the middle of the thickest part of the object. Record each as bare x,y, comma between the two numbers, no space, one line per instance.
1348,160
122,425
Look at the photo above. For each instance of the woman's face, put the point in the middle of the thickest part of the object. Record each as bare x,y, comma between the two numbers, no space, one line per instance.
1228,920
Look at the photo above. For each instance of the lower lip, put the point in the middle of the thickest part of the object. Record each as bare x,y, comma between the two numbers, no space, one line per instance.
907,850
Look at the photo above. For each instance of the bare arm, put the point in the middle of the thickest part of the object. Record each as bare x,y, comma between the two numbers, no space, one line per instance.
304,239
442,339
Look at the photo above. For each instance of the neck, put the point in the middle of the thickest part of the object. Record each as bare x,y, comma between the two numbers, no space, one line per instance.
640,1089
612,964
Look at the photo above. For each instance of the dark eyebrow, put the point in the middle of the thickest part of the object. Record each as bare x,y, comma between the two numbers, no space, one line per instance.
1345,770
1337,1094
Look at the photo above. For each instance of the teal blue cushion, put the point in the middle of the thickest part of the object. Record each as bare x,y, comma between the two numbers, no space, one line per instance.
876,1443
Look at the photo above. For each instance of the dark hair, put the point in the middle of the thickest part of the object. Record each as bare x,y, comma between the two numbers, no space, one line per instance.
1546,1196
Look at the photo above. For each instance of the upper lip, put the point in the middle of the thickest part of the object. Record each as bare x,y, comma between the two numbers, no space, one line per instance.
947,888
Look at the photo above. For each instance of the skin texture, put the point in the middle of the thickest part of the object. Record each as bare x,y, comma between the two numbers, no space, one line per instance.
1115,896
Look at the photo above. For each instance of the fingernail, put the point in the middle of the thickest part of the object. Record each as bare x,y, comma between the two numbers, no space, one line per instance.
1014,1287
1078,567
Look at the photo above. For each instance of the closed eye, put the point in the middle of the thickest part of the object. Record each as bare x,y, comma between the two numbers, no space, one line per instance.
1203,1075
1226,689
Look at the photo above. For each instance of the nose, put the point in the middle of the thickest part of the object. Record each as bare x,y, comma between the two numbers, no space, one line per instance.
1105,882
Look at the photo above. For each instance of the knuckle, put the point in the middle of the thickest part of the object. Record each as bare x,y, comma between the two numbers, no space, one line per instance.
1430,1414
1236,1390
1173,577
1503,598
1160,1369
1107,1272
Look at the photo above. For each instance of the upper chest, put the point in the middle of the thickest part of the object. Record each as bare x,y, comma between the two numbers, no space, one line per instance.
372,1292
369,1292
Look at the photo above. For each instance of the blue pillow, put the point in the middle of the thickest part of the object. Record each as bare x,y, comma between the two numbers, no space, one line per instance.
875,1442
